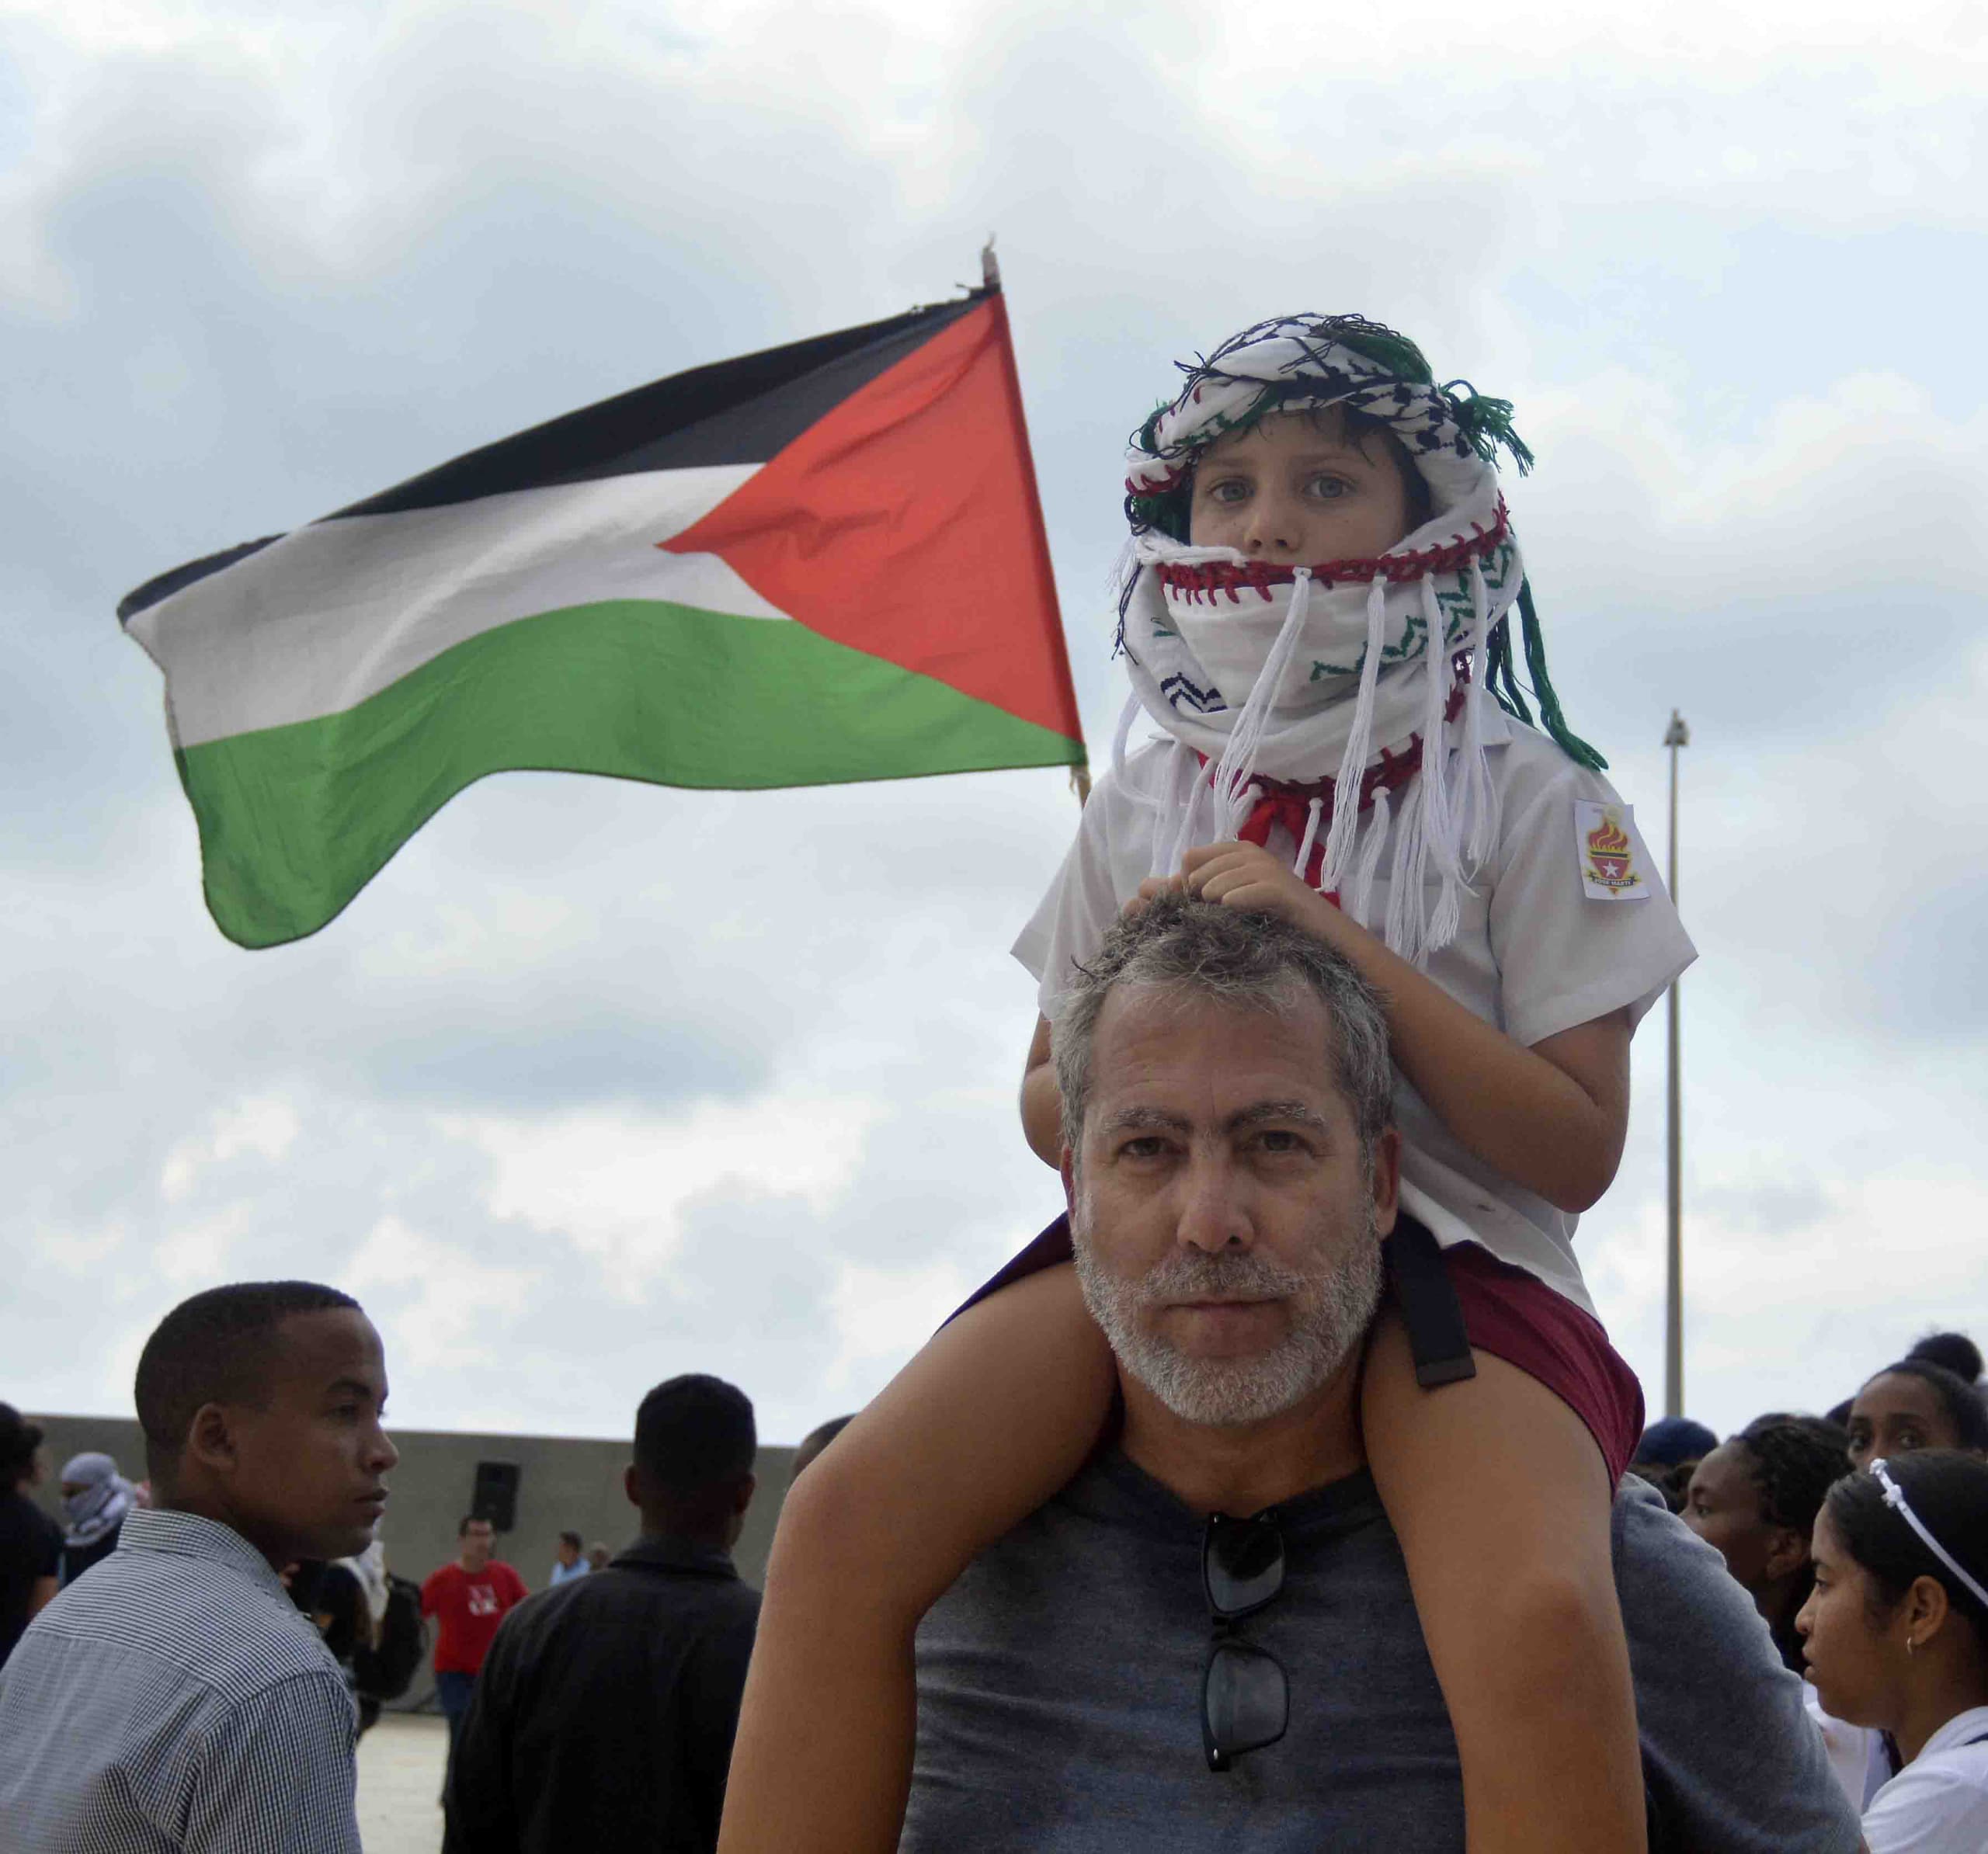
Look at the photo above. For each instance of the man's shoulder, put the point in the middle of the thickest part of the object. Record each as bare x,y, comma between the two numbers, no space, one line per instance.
622,1617
209,1622
585,1602
1661,1559
1675,1588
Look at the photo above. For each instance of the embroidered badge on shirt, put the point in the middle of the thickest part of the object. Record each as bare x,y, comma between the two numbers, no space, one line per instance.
1612,855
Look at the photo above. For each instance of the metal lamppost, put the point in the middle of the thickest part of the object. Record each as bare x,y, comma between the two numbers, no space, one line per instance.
1675,736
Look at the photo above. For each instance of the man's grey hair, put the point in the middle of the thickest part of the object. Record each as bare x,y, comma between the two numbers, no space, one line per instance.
1255,961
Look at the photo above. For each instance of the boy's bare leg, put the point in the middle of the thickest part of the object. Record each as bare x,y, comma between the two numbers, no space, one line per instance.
1500,1499
994,1415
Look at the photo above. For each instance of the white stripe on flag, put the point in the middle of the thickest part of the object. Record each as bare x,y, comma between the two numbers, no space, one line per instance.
317,622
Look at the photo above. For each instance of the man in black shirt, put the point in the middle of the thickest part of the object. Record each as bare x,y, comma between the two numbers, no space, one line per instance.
604,1715
30,1542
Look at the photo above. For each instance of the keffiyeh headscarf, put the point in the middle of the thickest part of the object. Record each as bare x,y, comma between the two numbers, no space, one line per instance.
1280,684
103,1499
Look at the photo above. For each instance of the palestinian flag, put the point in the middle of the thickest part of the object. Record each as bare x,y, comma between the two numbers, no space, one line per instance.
821,563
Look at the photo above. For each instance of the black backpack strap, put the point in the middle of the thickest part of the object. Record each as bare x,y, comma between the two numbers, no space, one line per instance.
1428,1306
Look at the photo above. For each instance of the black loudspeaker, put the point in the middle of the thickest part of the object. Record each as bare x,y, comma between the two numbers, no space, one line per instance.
495,1497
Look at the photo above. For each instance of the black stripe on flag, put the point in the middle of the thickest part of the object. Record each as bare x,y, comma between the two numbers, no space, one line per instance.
734,411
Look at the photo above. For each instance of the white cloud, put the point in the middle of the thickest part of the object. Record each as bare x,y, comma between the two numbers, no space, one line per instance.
264,1127
202,1251
1869,483
875,1308
1794,1316
617,1183
454,1308
84,1255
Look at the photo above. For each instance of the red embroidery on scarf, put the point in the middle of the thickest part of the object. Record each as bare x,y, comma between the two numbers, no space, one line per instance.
1213,578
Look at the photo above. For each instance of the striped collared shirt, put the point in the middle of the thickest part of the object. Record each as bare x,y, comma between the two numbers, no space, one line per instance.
176,1699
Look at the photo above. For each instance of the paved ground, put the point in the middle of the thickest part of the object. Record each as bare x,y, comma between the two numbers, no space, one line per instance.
400,1777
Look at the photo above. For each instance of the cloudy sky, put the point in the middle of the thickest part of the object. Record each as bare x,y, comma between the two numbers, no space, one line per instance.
598,1082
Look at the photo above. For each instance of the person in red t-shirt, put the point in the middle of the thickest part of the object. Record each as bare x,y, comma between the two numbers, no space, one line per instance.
467,1600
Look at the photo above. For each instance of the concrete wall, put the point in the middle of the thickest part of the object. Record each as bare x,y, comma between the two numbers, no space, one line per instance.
564,1483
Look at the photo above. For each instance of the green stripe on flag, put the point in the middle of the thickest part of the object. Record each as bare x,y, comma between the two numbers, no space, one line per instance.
294,821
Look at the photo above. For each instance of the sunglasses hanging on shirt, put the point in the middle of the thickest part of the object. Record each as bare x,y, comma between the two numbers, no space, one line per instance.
1245,1694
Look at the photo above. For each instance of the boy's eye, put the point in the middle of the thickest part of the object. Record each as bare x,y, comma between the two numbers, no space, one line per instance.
1227,489
1329,488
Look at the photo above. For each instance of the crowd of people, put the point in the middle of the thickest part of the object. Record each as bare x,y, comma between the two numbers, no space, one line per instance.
1767,1499
603,1717
193,1686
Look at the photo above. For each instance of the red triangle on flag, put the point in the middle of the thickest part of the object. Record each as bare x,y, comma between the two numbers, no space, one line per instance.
905,524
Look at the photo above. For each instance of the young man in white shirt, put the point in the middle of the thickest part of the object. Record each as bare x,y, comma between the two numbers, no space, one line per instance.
176,1700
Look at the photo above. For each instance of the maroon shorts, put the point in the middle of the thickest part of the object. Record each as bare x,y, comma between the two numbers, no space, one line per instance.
1517,1318
1505,1311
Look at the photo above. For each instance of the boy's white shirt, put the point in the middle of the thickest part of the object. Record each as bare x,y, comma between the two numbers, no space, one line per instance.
1534,956
1938,1803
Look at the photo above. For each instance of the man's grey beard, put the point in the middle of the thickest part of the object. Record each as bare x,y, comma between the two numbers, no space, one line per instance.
1330,1311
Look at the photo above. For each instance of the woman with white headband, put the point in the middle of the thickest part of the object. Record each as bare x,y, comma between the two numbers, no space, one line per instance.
1896,1634
1323,614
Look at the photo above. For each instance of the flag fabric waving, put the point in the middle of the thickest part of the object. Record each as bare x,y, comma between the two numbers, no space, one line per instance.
821,563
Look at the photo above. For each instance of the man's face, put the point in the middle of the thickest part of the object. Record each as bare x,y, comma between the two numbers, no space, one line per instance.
308,1466
478,1540
569,1553
1227,1223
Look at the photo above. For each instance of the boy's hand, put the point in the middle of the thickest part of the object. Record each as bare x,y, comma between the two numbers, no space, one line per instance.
1243,874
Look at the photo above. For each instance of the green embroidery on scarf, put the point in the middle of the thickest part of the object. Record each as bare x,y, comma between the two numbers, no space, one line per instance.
1414,639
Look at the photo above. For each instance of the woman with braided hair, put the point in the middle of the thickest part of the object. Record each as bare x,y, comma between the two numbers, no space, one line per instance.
1897,1637
1754,1500
1322,609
